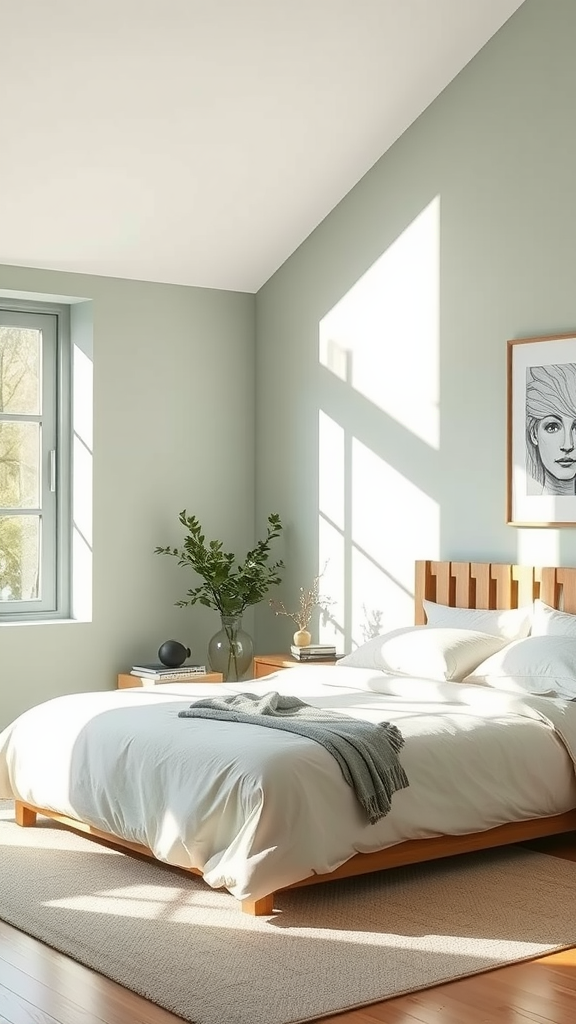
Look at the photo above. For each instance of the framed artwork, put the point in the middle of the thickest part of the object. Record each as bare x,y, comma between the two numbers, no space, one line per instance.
541,443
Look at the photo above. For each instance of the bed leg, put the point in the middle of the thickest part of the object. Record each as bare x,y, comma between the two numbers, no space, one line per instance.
24,815
259,908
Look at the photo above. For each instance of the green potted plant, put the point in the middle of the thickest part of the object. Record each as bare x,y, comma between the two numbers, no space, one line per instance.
229,587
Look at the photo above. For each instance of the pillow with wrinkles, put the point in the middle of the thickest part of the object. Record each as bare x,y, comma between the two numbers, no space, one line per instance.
509,623
426,652
547,621
544,665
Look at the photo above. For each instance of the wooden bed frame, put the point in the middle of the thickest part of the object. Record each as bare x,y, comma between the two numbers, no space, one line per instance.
462,585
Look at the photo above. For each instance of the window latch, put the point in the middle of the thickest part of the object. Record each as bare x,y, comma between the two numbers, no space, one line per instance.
53,470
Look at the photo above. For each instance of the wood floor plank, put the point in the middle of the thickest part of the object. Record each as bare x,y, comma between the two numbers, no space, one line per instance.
70,980
62,1005
18,1010
495,997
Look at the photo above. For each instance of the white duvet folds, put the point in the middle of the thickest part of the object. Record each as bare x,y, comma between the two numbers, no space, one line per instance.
256,809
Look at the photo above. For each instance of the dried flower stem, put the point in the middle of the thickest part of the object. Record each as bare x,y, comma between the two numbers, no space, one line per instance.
309,600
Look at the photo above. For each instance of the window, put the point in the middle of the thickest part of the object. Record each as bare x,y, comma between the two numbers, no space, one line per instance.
34,461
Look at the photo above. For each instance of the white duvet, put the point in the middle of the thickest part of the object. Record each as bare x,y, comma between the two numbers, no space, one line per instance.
256,809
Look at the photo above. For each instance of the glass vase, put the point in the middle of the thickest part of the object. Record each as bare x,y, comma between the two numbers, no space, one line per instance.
230,651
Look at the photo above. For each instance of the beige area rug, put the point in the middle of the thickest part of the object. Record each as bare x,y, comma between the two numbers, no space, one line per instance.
172,939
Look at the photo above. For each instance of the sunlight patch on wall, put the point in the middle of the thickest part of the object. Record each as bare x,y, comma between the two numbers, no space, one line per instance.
393,522
331,527
373,523
382,337
332,562
538,547
331,469
379,602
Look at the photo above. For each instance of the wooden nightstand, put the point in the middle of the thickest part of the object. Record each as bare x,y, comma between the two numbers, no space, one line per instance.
264,664
125,679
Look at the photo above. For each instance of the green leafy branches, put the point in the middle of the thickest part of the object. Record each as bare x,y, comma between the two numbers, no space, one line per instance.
227,588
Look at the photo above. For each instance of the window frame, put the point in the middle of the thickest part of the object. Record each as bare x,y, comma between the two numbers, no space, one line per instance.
56,418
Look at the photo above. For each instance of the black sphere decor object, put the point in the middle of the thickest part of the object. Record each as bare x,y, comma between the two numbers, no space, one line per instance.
173,654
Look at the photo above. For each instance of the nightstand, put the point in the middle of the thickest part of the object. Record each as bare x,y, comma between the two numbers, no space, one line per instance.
264,664
126,679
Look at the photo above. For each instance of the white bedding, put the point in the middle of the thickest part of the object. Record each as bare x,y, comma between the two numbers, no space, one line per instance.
256,809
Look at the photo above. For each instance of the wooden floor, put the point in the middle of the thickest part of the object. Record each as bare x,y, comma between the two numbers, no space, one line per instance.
41,986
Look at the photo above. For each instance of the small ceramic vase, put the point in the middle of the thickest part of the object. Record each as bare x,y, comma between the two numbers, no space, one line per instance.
302,638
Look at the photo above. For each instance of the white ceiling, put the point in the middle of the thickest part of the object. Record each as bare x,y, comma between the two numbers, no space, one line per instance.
200,141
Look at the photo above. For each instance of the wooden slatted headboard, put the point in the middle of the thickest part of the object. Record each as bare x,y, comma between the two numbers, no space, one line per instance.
492,585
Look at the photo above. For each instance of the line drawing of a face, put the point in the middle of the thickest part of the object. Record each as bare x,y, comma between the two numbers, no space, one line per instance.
556,440
551,428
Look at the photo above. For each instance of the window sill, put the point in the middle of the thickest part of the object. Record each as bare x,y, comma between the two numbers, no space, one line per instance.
41,622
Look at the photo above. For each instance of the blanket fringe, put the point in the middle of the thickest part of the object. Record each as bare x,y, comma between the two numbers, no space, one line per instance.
392,780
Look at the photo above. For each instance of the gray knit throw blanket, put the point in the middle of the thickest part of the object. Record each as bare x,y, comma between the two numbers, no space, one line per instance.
366,753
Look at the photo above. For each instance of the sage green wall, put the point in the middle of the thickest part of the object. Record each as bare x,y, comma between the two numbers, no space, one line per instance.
491,163
173,429
495,156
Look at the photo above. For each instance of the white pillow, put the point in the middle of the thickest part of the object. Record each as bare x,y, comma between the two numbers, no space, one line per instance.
546,621
426,652
509,623
536,664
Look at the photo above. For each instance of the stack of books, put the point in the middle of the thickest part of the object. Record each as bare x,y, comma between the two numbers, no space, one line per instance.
314,652
157,673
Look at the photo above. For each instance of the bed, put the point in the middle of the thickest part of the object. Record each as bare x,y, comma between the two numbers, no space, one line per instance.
256,811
